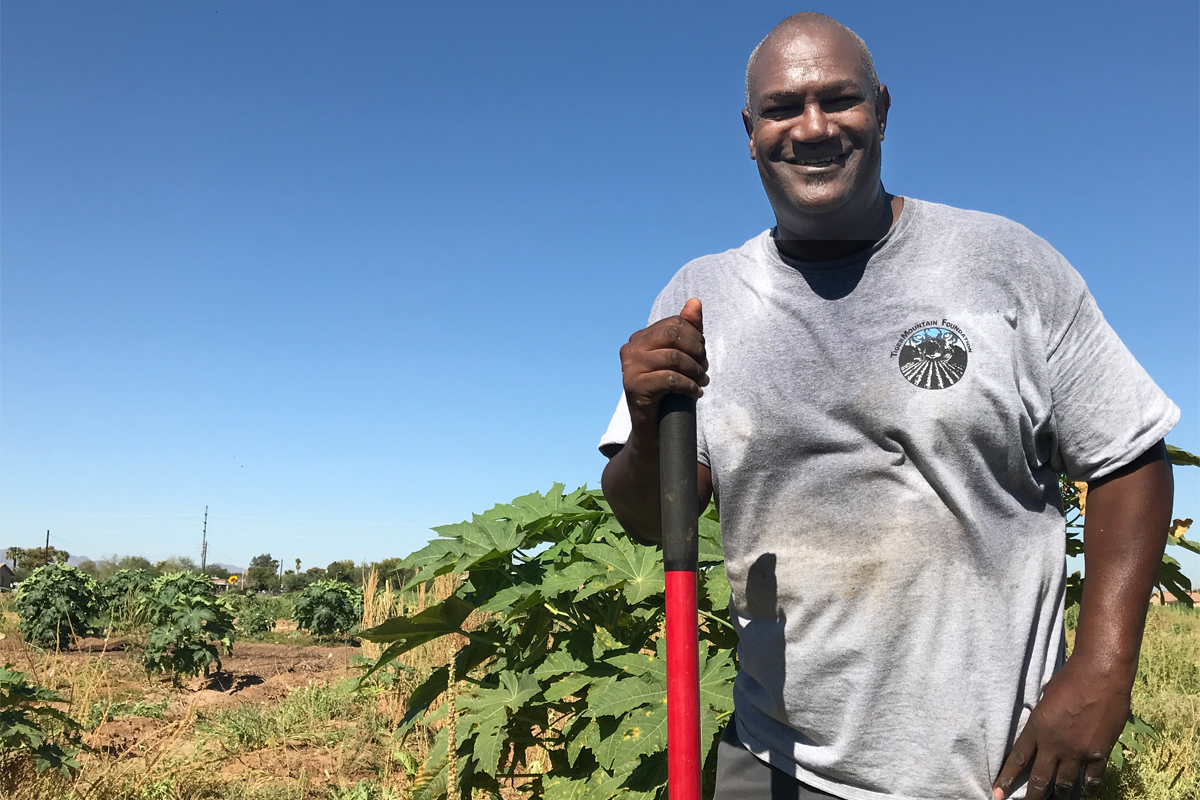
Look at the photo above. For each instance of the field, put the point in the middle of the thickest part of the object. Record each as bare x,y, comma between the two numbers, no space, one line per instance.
283,720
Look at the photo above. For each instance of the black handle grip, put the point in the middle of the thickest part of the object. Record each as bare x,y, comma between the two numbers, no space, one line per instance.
677,482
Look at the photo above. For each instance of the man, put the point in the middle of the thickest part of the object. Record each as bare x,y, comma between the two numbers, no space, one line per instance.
888,389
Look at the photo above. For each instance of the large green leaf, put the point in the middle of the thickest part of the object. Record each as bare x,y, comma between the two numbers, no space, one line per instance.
710,542
639,567
600,785
436,620
622,696
1182,457
435,557
488,712
716,588
572,578
643,731
557,663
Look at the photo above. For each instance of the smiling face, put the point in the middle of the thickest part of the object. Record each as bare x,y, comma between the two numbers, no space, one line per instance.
815,124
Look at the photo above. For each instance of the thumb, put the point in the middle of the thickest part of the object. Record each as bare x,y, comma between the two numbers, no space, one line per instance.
693,313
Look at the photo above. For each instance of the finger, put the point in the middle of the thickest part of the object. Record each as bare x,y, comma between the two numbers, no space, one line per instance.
1066,779
1040,777
1093,776
654,385
1019,759
658,360
672,333
693,312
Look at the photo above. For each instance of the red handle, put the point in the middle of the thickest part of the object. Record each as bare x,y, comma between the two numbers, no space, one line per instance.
683,687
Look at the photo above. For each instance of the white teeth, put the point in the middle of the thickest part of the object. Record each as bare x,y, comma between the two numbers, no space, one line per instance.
820,162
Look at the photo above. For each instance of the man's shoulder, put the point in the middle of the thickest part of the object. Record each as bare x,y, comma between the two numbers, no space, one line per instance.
982,228
717,267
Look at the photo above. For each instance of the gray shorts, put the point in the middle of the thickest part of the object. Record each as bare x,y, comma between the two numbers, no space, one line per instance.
742,776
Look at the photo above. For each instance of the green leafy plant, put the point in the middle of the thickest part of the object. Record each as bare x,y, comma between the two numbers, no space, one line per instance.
121,594
254,617
32,729
55,604
189,622
1170,576
564,653
328,607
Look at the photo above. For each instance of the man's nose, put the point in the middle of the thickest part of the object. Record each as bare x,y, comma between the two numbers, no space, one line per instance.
813,125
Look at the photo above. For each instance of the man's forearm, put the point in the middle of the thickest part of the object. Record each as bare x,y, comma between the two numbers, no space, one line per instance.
631,486
1125,531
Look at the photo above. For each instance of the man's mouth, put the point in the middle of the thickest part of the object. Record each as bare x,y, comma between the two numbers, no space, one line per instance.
823,161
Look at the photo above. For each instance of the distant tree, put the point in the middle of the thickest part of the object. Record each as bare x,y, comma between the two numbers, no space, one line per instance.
341,571
176,564
33,557
89,567
134,562
111,566
297,566
315,573
389,570
262,574
296,583
264,560
216,571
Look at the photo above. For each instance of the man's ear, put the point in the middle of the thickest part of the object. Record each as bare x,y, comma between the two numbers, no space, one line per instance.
883,102
749,125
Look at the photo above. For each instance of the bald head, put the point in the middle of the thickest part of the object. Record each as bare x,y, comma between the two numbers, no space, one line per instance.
811,22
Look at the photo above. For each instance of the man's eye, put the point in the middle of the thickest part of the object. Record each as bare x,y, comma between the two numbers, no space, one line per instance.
840,103
782,112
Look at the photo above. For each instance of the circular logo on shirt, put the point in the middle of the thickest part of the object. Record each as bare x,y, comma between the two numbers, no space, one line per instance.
933,357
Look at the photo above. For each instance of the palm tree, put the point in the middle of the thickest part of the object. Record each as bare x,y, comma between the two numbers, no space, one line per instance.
297,566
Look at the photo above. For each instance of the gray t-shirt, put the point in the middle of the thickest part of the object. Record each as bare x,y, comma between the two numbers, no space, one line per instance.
884,434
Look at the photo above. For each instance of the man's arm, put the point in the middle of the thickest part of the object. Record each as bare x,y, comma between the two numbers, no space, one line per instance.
1083,708
667,357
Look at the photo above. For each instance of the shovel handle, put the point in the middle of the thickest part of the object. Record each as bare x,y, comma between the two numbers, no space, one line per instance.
680,536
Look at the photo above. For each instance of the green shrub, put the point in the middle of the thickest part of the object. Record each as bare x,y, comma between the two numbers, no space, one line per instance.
188,623
55,603
566,654
121,594
30,729
254,616
328,607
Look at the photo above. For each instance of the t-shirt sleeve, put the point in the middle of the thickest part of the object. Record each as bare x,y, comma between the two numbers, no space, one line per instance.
618,429
1107,410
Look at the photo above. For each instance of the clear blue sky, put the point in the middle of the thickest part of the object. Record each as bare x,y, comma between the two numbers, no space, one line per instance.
345,271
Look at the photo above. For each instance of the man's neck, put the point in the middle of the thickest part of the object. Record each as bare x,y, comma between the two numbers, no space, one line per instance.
846,242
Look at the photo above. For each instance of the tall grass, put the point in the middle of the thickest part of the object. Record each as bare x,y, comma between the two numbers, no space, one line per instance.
1167,695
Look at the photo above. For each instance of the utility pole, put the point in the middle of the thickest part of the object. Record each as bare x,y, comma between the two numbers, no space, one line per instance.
47,546
204,543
